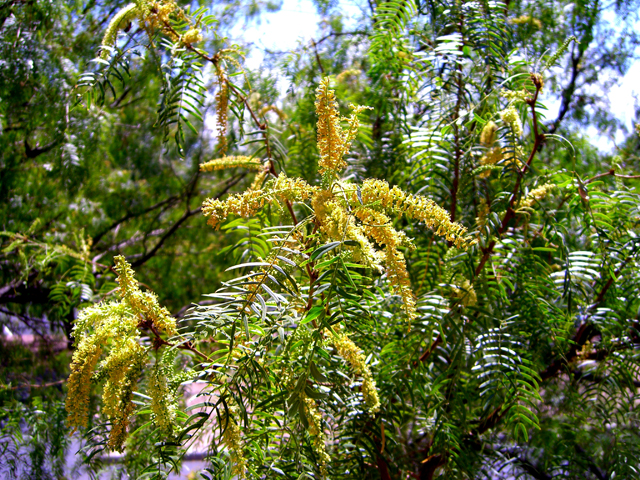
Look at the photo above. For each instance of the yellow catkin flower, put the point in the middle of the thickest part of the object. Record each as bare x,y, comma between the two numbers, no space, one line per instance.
483,212
143,303
85,358
248,203
465,293
258,180
332,215
395,200
526,20
353,355
333,141
165,9
119,21
162,401
191,36
292,189
535,195
489,134
156,14
377,226
513,96
115,324
492,157
232,439
316,432
104,321
511,117
396,269
352,72
353,123
244,205
330,134
123,375
251,163
115,368
222,109
336,224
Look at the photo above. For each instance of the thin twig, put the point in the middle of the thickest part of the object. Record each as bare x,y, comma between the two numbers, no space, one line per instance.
39,385
612,173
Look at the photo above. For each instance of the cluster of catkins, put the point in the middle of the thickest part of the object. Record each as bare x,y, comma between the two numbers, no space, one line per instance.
342,211
361,214
151,14
113,329
345,211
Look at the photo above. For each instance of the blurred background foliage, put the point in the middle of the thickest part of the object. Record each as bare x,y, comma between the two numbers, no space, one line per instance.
80,184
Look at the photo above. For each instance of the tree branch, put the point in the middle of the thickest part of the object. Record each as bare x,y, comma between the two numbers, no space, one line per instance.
129,216
188,214
29,321
37,151
510,213
613,173
585,331
568,91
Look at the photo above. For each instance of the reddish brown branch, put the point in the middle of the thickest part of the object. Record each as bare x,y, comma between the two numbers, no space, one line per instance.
585,331
510,213
612,173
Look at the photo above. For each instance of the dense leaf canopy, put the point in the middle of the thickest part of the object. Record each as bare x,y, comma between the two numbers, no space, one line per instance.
411,269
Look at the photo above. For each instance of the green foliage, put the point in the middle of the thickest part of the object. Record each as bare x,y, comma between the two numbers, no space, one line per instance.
31,395
344,338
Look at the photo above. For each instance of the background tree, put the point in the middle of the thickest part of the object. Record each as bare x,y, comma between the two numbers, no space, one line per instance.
511,337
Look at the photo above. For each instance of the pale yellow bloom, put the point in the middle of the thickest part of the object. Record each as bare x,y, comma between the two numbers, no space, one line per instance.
85,358
488,136
248,203
156,14
123,367
336,224
144,303
165,8
232,438
162,401
257,181
511,117
395,200
513,96
113,327
492,157
94,327
316,432
535,195
118,22
191,36
526,20
465,293
251,163
378,226
353,355
483,212
222,108
333,141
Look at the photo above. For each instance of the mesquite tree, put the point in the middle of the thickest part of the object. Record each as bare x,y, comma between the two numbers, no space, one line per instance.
438,284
